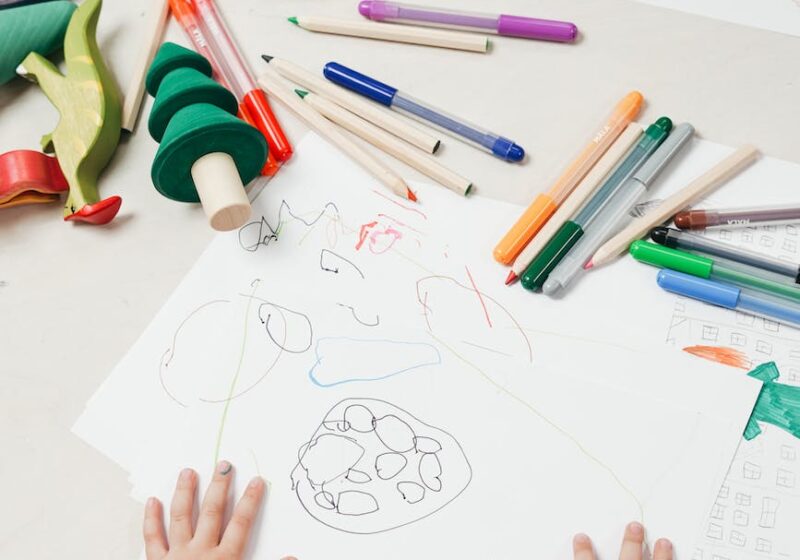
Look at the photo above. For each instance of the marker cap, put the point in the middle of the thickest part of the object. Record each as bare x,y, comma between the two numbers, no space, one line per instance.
532,28
664,257
656,163
699,288
354,81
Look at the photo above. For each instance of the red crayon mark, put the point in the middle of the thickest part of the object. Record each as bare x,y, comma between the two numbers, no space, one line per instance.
404,207
721,355
363,232
480,297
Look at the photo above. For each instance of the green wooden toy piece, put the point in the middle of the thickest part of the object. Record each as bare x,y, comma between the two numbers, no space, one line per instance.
195,120
35,28
88,101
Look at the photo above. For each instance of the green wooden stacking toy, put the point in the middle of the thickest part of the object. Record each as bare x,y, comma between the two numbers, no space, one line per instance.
206,153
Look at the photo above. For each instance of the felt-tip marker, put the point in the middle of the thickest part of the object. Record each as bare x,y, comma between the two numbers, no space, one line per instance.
399,101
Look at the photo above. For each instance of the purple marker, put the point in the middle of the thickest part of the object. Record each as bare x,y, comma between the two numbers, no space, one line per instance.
512,26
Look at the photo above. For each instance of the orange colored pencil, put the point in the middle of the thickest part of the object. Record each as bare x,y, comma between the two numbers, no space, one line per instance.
545,204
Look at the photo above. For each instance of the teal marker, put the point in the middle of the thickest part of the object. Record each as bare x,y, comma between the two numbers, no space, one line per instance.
557,248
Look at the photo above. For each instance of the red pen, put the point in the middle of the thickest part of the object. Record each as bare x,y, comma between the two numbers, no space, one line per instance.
206,28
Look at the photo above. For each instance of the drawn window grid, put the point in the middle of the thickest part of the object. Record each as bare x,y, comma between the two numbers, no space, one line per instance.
764,347
741,518
769,512
767,241
737,538
785,478
751,471
746,236
771,326
717,511
738,339
710,333
714,531
763,545
788,453
743,499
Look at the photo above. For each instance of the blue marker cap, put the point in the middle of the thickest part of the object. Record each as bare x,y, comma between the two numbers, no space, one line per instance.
508,150
699,288
359,83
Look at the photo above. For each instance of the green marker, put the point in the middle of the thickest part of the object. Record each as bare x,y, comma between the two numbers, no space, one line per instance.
720,270
562,242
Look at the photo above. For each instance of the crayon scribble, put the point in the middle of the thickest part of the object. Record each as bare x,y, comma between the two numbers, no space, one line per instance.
721,355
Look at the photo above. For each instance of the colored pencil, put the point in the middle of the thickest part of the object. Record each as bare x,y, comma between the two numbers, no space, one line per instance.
396,33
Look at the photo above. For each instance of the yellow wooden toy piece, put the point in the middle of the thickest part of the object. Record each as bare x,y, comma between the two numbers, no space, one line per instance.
88,101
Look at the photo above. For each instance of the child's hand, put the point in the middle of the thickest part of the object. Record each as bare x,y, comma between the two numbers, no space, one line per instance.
631,546
204,542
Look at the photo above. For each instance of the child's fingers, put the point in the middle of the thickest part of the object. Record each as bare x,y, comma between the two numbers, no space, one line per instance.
582,547
632,542
663,550
155,541
237,532
209,523
180,512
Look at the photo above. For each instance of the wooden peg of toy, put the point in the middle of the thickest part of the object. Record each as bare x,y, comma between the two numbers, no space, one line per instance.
221,191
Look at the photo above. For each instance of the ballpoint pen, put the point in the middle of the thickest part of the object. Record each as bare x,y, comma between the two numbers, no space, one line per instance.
399,101
613,214
677,239
557,248
738,217
719,270
545,204
729,297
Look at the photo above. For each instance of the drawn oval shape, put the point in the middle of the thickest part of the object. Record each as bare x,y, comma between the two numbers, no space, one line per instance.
352,502
395,434
289,330
411,491
389,465
329,457
427,445
325,500
430,471
358,477
359,418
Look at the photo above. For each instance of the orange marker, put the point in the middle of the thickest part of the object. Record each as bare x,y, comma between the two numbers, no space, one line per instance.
545,204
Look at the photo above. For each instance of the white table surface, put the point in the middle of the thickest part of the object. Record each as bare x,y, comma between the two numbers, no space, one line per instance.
73,299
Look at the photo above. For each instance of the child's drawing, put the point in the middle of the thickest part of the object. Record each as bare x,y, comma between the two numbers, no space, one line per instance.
372,467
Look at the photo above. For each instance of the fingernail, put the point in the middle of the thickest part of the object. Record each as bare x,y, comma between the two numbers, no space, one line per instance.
636,528
581,539
224,467
151,503
186,475
663,544
256,483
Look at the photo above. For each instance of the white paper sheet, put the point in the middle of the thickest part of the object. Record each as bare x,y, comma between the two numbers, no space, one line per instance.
782,16
334,256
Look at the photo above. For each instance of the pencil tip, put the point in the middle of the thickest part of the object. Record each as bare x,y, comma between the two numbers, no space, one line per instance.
511,278
267,58
301,93
588,265
410,194
293,19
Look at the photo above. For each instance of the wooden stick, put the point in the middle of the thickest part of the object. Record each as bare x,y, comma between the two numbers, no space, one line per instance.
710,180
272,82
580,195
389,144
396,33
352,102
154,26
